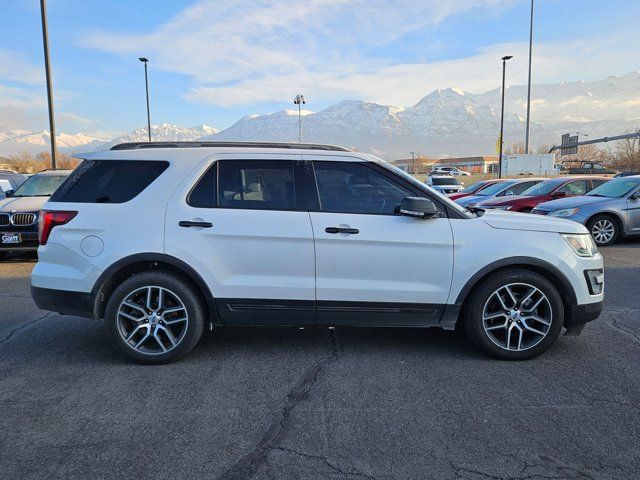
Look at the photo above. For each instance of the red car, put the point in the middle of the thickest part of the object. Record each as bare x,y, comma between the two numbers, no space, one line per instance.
473,188
544,192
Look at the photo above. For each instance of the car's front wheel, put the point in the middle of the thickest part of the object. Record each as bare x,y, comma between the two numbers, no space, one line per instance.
514,315
155,317
604,229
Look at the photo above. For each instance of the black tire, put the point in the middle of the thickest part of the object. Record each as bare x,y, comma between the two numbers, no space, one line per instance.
176,285
598,220
526,210
475,305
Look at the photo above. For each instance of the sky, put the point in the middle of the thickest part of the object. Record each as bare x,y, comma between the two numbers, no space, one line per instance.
213,62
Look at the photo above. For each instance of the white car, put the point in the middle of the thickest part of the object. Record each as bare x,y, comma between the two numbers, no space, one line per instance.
449,171
445,184
164,242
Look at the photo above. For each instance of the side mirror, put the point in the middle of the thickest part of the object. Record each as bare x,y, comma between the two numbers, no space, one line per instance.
8,193
559,194
418,207
635,196
508,193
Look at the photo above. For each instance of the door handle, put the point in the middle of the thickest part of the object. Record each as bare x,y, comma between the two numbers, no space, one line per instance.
352,231
187,223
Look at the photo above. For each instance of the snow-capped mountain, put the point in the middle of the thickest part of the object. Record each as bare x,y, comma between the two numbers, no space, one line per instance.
164,132
445,122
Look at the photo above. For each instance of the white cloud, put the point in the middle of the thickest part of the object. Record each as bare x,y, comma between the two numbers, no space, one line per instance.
247,52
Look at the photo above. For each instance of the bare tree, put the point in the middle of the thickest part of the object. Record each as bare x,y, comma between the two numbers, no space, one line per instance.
26,163
626,155
515,149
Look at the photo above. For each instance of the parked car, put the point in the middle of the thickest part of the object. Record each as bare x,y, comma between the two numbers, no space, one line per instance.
626,174
498,190
543,192
449,171
609,212
9,181
19,211
473,188
591,168
162,242
444,184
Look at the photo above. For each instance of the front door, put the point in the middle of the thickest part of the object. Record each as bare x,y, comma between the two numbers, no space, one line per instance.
633,212
373,266
243,224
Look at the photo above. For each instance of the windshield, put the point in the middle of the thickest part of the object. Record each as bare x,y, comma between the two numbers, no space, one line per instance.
39,186
618,187
474,187
444,181
495,188
542,188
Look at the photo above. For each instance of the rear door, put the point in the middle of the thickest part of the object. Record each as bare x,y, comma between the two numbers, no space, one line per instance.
243,224
373,266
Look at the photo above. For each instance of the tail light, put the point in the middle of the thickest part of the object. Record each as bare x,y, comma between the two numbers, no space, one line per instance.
49,219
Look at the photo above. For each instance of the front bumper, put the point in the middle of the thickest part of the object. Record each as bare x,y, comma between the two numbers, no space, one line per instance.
579,315
29,241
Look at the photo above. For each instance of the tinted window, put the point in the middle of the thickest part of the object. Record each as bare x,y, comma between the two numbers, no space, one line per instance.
256,184
443,181
108,181
347,187
574,188
203,195
40,186
518,188
495,188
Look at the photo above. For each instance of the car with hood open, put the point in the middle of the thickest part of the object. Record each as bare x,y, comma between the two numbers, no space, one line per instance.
19,212
609,212
550,189
162,241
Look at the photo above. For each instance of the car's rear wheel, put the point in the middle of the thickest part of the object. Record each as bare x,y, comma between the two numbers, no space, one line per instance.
604,229
155,317
514,315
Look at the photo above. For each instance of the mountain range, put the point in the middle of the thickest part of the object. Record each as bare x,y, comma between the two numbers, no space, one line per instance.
446,122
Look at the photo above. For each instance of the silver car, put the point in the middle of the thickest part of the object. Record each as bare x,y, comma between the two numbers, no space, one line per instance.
609,211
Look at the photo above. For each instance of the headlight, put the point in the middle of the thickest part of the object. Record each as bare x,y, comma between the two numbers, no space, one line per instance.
565,212
582,244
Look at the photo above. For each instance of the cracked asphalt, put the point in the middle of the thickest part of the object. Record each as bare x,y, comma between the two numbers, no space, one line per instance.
331,404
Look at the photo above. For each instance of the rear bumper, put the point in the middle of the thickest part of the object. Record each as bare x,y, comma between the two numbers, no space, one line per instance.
64,301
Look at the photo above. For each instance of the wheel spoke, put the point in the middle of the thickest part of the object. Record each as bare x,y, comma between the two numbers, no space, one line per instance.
176,320
131,317
134,331
493,316
149,298
159,342
160,298
134,306
537,318
144,339
531,329
513,297
172,310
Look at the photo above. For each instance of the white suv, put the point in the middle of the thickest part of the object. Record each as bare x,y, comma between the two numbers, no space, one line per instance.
439,170
164,240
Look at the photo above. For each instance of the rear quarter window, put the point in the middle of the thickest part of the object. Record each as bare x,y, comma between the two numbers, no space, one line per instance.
108,181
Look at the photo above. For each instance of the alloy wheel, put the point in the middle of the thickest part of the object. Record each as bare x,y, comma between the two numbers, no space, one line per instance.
603,231
152,320
517,317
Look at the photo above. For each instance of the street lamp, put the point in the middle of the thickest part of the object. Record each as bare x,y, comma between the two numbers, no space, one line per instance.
299,100
47,67
146,82
501,140
526,140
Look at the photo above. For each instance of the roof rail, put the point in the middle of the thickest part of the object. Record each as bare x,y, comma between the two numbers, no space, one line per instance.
303,146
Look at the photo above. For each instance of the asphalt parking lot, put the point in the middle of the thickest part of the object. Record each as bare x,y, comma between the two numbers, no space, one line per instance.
318,403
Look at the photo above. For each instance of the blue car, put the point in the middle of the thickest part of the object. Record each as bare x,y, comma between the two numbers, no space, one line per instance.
609,211
500,189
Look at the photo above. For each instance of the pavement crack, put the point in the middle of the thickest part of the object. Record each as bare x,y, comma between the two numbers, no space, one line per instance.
250,463
22,327
326,462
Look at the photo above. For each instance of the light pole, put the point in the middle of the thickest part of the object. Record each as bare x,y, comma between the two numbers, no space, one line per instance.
526,139
146,83
47,67
501,140
299,100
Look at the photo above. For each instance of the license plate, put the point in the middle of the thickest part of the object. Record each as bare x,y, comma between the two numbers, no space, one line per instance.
10,238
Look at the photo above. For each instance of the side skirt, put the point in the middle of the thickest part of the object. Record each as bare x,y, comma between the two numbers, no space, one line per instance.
271,312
